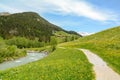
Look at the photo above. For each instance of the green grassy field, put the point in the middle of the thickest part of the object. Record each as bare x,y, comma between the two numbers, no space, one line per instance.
106,44
62,64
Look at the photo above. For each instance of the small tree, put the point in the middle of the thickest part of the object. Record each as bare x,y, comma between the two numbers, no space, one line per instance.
66,39
53,42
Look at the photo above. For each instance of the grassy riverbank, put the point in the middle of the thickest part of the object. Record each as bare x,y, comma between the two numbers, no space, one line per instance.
62,64
8,52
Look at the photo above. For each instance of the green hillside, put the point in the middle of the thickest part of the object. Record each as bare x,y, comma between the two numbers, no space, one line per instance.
106,44
29,25
62,36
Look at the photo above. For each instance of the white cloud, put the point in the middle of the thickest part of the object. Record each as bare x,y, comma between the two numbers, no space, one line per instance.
9,9
72,7
64,7
78,8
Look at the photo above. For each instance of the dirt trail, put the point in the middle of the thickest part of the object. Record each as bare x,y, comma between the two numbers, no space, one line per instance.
102,71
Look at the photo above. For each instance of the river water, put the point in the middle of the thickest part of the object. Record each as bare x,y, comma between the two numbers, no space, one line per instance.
34,56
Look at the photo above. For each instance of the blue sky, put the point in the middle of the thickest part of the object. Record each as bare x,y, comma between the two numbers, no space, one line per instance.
78,15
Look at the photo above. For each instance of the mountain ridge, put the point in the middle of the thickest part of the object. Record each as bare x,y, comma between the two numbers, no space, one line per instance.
28,24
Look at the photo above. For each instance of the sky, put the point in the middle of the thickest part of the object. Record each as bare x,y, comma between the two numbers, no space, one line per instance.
89,16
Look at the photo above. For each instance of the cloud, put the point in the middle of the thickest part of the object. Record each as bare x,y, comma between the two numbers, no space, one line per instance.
72,7
9,9
79,8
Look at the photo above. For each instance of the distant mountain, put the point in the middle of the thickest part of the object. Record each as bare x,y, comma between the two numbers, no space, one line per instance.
85,33
4,13
29,25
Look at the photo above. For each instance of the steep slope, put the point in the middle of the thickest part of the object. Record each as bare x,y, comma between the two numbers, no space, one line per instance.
106,44
27,24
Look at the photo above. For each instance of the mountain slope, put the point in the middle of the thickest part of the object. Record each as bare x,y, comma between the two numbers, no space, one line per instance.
106,44
27,24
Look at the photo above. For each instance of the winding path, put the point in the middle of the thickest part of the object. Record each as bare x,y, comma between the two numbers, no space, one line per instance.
102,71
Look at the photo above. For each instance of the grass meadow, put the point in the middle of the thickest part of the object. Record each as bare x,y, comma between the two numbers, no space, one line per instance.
62,64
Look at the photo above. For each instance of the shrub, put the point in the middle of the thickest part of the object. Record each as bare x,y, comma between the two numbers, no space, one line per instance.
53,42
22,42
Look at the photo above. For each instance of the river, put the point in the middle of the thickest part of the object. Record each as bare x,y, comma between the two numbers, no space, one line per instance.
34,56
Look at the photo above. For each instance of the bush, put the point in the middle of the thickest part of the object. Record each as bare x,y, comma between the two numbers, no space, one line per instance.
22,42
10,52
53,43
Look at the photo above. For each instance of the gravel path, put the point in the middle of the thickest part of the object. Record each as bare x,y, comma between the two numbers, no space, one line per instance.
102,71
